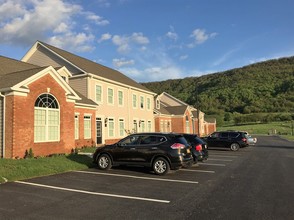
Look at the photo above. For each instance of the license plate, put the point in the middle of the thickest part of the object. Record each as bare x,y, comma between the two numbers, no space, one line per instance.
188,151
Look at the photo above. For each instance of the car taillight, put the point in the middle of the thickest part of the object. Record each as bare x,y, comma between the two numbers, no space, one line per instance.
178,146
244,139
198,147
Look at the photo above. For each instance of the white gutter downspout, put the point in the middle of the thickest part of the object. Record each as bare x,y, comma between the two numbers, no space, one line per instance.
3,132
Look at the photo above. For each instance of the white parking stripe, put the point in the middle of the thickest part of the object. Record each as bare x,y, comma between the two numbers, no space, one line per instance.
224,160
218,155
137,177
93,193
213,164
199,171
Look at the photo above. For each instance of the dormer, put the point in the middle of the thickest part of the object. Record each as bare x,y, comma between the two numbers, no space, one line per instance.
64,73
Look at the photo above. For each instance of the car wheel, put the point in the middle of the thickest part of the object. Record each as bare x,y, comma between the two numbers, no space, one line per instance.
104,162
235,146
161,166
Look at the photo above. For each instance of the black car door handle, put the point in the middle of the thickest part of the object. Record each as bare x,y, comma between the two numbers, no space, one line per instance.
154,148
132,148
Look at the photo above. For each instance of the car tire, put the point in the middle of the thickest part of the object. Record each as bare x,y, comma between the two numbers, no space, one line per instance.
104,162
235,146
160,166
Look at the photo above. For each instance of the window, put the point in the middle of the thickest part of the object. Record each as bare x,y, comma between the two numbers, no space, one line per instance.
148,103
134,101
142,125
141,102
149,128
110,127
135,126
87,127
46,119
187,125
98,94
121,127
120,98
110,96
157,104
76,127
131,140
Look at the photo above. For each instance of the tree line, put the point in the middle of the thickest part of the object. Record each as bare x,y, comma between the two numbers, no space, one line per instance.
265,87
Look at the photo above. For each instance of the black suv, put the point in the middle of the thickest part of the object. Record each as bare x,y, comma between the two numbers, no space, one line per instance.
199,147
228,139
161,151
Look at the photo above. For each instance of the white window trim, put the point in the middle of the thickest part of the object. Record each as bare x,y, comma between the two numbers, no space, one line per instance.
142,108
88,119
47,125
135,107
148,108
120,105
101,101
109,103
77,126
142,121
111,119
124,123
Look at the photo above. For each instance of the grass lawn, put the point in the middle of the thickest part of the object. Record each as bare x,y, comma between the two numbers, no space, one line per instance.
12,170
279,128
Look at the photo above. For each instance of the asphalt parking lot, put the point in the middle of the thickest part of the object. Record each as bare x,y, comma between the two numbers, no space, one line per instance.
253,183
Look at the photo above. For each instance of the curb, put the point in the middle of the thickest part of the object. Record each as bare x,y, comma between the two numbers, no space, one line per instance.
5,180
86,154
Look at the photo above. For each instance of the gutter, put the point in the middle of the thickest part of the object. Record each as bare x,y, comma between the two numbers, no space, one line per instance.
3,128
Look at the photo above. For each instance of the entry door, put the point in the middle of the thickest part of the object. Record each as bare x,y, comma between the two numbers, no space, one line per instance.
98,131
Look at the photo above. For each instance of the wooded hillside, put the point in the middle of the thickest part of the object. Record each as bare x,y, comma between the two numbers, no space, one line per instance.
263,87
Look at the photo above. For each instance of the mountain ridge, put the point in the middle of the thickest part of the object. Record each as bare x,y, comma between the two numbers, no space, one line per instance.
261,87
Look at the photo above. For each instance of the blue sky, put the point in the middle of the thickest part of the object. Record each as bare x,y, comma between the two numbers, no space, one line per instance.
153,40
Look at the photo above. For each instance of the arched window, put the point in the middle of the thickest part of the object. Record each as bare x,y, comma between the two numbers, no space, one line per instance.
46,119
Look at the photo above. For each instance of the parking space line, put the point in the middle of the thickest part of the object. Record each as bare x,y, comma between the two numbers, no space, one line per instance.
137,177
213,164
224,160
218,155
199,171
93,193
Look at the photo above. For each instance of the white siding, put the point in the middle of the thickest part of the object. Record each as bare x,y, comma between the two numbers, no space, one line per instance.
80,85
43,57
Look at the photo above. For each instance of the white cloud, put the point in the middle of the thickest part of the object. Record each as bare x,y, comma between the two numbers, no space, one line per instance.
96,19
125,43
172,34
139,38
200,36
184,57
77,41
104,37
122,62
25,21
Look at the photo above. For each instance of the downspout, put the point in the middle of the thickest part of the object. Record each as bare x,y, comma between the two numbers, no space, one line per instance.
3,128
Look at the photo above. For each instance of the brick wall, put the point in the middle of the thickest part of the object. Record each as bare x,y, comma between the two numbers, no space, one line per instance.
81,142
19,133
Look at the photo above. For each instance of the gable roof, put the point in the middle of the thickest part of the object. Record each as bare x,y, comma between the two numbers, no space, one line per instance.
9,65
16,74
11,79
90,67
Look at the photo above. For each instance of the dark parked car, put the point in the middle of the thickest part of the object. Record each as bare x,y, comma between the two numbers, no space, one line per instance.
228,139
199,147
161,151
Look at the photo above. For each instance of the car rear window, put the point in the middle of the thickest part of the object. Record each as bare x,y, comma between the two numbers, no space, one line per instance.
181,140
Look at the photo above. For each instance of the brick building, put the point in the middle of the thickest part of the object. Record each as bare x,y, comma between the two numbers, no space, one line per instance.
174,115
39,110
